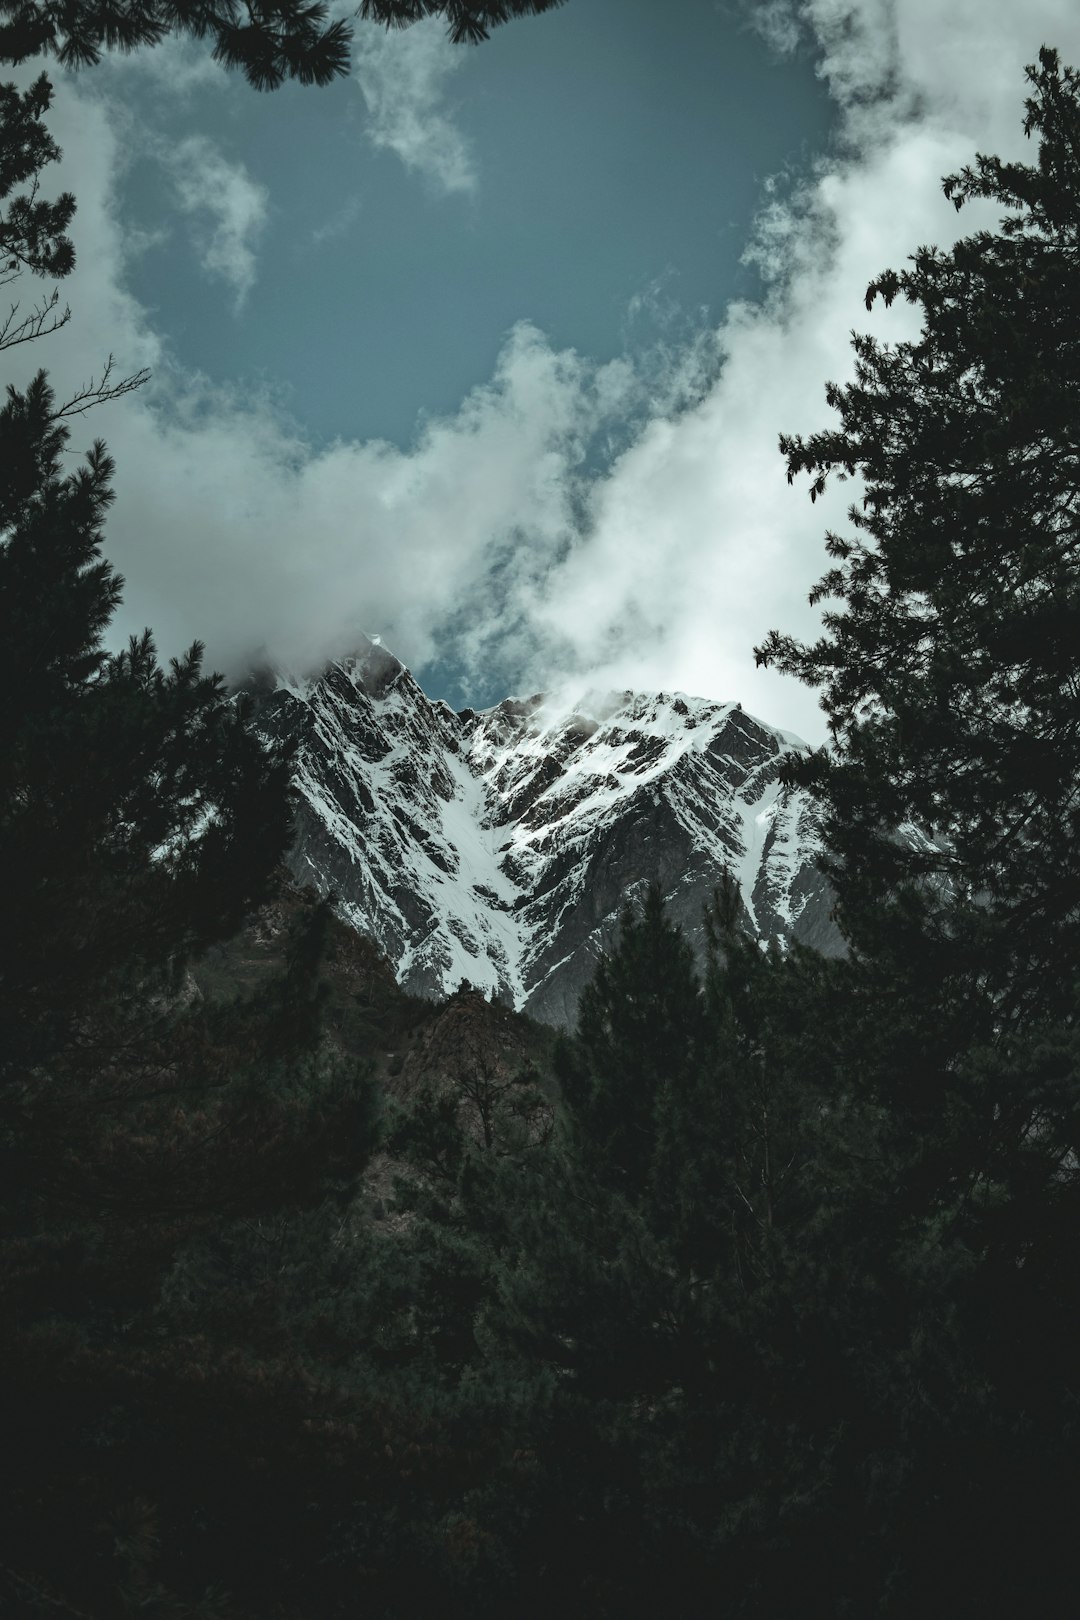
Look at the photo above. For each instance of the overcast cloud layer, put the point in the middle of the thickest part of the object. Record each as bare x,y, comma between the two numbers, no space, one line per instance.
489,542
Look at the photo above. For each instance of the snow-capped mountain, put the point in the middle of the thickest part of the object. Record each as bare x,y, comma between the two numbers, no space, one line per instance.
500,846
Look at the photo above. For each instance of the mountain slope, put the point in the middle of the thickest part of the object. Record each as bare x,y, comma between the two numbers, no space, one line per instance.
499,846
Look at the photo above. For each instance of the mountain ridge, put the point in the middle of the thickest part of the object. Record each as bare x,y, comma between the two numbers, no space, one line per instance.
499,846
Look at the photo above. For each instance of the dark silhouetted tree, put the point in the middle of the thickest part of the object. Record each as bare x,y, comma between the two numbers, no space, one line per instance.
948,669
639,1032
270,42
140,820
139,817
952,822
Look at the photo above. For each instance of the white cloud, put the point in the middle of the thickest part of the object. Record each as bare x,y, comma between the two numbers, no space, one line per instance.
226,207
486,539
340,222
402,75
259,542
694,546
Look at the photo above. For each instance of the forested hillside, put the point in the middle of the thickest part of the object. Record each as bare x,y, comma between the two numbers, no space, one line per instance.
758,1293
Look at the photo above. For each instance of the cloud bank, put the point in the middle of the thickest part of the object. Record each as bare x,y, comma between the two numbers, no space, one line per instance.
493,542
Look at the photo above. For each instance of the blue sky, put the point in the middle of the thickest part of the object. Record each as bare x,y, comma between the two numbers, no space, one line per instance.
487,350
597,173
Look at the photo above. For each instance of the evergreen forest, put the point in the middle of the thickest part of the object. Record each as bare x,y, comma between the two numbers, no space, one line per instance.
755,1296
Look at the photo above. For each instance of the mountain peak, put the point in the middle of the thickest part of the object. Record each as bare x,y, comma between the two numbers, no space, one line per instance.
373,666
500,845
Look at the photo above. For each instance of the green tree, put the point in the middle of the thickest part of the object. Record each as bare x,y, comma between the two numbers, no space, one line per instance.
647,1273
270,42
467,21
948,669
639,1032
139,817
953,828
33,232
140,820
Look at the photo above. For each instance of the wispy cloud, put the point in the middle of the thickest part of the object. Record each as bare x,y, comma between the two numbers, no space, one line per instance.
339,224
402,76
226,208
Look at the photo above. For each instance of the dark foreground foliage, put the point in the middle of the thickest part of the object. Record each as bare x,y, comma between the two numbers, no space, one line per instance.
771,1307
270,42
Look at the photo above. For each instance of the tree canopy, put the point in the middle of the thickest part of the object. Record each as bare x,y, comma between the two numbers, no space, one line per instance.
141,819
948,669
269,41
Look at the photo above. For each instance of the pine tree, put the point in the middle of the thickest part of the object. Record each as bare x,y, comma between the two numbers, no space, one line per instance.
642,1284
139,817
948,668
274,41
953,830
140,820
32,230
467,21
638,1033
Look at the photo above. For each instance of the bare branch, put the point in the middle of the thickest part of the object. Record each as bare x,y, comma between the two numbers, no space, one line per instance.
100,393
33,325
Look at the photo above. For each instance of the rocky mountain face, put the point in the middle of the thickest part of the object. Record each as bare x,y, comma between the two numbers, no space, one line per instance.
500,846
